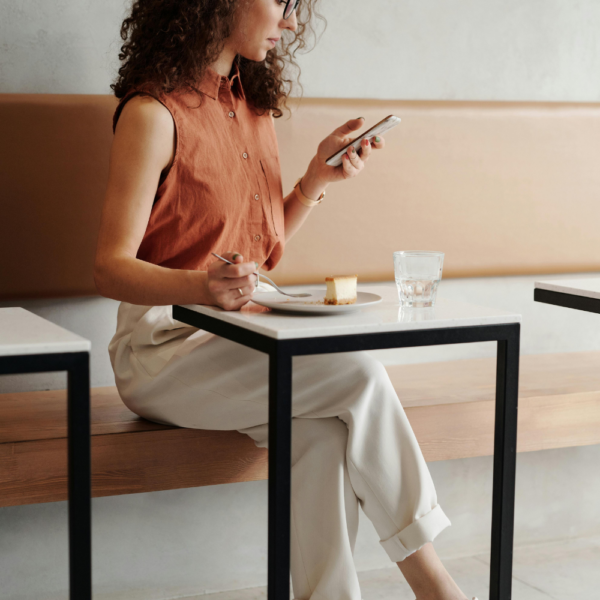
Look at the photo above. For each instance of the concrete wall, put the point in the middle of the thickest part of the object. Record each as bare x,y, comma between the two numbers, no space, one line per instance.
183,542
413,49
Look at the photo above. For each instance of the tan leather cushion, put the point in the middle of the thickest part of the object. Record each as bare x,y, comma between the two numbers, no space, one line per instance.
54,153
501,188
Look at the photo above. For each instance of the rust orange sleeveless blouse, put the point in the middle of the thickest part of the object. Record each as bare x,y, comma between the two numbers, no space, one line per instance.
223,191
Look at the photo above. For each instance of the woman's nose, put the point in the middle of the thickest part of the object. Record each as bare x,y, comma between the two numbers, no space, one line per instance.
291,22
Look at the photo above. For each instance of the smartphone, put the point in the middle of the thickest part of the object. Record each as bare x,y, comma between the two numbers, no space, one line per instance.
384,125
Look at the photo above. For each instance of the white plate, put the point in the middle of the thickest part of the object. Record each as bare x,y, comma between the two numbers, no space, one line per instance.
313,304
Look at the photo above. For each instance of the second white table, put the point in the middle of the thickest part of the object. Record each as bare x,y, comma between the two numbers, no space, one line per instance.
30,344
580,294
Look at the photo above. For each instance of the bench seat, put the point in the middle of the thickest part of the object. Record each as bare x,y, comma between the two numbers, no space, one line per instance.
450,406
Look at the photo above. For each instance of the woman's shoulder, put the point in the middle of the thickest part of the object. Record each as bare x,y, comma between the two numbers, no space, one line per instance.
144,134
143,110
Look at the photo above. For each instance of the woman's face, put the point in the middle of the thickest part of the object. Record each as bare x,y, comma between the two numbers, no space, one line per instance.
258,22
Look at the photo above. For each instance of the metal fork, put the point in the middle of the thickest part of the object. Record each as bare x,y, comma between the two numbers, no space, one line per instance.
303,295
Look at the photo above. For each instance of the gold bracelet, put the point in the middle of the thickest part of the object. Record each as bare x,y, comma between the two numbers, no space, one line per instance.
304,199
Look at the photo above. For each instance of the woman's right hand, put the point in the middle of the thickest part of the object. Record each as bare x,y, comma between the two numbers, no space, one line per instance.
224,282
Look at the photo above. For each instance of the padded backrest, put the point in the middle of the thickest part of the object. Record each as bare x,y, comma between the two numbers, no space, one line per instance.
54,153
501,188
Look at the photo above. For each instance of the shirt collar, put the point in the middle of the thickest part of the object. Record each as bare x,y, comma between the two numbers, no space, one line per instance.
211,82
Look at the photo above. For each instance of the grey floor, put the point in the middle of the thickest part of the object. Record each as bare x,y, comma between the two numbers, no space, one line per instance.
562,570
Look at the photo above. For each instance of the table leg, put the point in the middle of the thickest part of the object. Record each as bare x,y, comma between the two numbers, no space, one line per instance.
505,460
280,459
80,534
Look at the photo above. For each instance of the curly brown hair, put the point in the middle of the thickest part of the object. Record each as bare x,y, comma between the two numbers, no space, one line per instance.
169,44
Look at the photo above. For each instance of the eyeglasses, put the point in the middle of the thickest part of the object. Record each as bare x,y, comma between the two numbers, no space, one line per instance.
290,7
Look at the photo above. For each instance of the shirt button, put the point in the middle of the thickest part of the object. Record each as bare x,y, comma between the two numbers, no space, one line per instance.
245,155
257,238
256,196
232,114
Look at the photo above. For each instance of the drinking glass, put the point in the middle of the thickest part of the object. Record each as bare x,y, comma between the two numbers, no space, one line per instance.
418,274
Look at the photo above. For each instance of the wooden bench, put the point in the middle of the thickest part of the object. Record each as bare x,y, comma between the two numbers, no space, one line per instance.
450,406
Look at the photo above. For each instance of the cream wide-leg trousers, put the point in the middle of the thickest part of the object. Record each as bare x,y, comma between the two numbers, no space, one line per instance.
351,441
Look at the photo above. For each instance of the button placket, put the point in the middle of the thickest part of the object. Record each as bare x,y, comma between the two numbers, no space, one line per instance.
226,98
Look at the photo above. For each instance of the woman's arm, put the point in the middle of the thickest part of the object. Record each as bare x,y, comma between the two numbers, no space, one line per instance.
319,175
143,147
294,211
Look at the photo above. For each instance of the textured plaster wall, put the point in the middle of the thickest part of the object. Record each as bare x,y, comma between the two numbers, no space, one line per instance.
408,49
182,542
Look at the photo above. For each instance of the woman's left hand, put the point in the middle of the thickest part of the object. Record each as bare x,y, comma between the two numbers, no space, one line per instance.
320,174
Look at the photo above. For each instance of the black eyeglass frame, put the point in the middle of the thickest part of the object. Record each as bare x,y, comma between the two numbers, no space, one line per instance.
287,5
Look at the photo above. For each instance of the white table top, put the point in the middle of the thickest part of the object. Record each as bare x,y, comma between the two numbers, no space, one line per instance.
22,332
588,287
379,318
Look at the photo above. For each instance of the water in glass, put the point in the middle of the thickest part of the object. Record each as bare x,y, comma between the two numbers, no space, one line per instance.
417,275
417,293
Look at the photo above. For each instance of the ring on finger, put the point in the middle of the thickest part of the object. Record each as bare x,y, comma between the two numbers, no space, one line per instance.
241,293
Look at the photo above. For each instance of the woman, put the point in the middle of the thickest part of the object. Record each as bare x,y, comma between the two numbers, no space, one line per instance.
195,169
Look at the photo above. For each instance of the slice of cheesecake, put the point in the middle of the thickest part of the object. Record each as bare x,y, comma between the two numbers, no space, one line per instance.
341,289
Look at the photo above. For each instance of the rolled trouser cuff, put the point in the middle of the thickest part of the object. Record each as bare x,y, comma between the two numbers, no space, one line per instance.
416,535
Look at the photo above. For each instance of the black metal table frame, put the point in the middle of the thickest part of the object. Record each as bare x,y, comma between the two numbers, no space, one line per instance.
281,353
77,366
567,300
